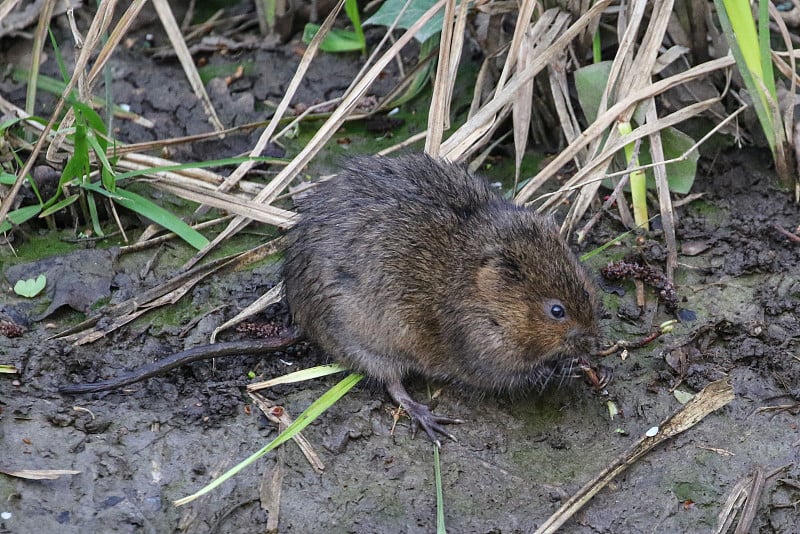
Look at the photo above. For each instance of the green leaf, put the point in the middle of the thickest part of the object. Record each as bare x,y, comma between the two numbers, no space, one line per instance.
154,212
58,206
680,174
31,287
335,41
107,176
92,118
591,81
303,420
391,8
6,178
98,229
19,216
740,32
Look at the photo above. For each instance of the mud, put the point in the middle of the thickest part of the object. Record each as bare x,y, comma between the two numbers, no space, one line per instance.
516,461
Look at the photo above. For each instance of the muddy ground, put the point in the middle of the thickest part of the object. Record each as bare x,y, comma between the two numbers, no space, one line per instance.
516,460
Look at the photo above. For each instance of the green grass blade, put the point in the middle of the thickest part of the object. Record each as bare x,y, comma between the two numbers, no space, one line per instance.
739,27
58,206
19,216
6,178
351,8
77,167
305,374
98,229
437,473
303,420
62,66
764,48
90,116
154,212
336,40
100,152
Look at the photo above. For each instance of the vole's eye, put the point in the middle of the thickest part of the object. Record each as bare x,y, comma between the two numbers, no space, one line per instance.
555,309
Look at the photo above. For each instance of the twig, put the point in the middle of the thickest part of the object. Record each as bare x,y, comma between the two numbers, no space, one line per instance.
664,328
787,233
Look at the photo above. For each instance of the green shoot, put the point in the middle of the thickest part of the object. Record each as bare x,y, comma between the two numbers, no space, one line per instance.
638,181
597,47
341,40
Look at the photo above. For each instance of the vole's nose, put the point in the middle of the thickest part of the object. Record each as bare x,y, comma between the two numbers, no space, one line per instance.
583,341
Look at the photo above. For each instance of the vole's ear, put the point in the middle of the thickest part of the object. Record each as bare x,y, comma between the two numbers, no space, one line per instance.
498,267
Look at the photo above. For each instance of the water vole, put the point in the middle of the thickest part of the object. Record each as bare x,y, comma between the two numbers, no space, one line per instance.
409,265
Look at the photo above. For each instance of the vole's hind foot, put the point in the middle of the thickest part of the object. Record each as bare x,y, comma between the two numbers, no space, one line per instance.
421,415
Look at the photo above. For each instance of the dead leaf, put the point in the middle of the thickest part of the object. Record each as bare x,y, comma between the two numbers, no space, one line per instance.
40,474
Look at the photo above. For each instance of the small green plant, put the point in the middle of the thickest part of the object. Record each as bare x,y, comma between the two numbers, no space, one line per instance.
638,180
339,40
678,147
31,287
91,146
750,46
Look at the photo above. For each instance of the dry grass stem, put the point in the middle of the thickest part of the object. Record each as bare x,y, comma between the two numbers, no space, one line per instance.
281,418
439,113
349,102
185,58
606,119
225,201
464,137
522,107
155,241
39,38
169,292
664,199
299,74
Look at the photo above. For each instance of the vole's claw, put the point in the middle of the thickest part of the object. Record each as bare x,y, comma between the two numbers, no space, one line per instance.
422,416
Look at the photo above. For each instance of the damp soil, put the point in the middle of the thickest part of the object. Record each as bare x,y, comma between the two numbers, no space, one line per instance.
516,460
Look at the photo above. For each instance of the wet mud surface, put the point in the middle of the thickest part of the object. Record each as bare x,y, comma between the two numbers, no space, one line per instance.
516,459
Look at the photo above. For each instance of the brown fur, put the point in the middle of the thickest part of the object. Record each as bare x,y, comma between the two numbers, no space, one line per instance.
412,265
